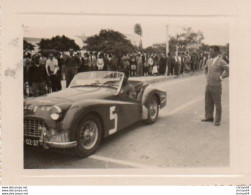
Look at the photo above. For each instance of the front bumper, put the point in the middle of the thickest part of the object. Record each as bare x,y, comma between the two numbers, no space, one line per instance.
60,142
60,145
47,135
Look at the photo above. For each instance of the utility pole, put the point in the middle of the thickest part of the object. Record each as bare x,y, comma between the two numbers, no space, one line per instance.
167,46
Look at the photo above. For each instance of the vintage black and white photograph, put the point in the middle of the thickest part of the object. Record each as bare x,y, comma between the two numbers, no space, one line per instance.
144,93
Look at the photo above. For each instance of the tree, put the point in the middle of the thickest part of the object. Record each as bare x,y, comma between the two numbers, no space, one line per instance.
27,46
172,44
225,49
204,47
109,41
59,43
138,31
156,48
47,52
187,40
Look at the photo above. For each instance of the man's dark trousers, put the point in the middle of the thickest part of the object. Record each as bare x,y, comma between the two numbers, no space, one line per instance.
69,74
55,82
213,97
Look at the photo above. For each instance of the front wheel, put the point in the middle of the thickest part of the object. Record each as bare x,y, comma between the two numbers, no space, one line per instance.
153,110
88,136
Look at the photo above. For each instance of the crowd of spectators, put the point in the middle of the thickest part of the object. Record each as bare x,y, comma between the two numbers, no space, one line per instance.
43,74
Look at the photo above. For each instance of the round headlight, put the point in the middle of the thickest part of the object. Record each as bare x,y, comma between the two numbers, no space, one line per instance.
55,112
54,116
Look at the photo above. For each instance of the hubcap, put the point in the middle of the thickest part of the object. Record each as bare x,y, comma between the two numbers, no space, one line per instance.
153,109
89,134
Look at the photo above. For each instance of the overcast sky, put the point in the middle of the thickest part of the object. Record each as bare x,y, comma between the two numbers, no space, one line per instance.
154,28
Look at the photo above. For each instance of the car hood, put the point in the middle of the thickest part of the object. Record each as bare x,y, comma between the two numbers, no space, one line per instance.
71,95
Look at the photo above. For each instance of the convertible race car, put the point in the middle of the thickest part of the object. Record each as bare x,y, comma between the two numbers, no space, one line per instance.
91,108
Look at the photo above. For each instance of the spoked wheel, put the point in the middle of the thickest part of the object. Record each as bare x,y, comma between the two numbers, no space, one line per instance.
153,110
88,136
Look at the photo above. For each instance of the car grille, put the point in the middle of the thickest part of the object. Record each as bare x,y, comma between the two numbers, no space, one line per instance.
33,127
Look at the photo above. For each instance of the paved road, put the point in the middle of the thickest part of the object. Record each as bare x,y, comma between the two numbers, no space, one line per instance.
177,139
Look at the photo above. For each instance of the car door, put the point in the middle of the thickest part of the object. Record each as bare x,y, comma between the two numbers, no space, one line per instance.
128,110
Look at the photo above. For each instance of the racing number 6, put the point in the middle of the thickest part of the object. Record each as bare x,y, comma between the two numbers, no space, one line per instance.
113,116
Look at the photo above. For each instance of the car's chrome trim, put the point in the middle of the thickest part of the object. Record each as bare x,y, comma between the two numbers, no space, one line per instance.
163,101
47,144
61,144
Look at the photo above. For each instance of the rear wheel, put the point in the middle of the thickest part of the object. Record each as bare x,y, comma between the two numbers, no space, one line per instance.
88,136
153,110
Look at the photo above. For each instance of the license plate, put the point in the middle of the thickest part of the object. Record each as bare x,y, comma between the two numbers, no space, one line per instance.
31,142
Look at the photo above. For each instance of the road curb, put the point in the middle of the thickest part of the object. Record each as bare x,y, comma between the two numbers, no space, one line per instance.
156,79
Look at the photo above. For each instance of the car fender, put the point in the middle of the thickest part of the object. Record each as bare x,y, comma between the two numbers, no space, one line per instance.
79,110
148,93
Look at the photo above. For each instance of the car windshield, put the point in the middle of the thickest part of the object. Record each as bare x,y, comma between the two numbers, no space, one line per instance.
99,79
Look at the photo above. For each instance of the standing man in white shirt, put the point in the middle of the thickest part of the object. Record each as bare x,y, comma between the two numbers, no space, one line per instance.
216,70
52,70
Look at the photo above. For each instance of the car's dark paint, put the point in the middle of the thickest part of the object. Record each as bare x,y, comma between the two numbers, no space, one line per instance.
76,103
102,108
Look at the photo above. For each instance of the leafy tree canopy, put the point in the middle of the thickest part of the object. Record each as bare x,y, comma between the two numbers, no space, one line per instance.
109,41
187,40
27,46
156,48
225,49
59,43
47,52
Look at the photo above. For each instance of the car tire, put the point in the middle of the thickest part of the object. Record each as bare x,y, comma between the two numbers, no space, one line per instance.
88,136
153,110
